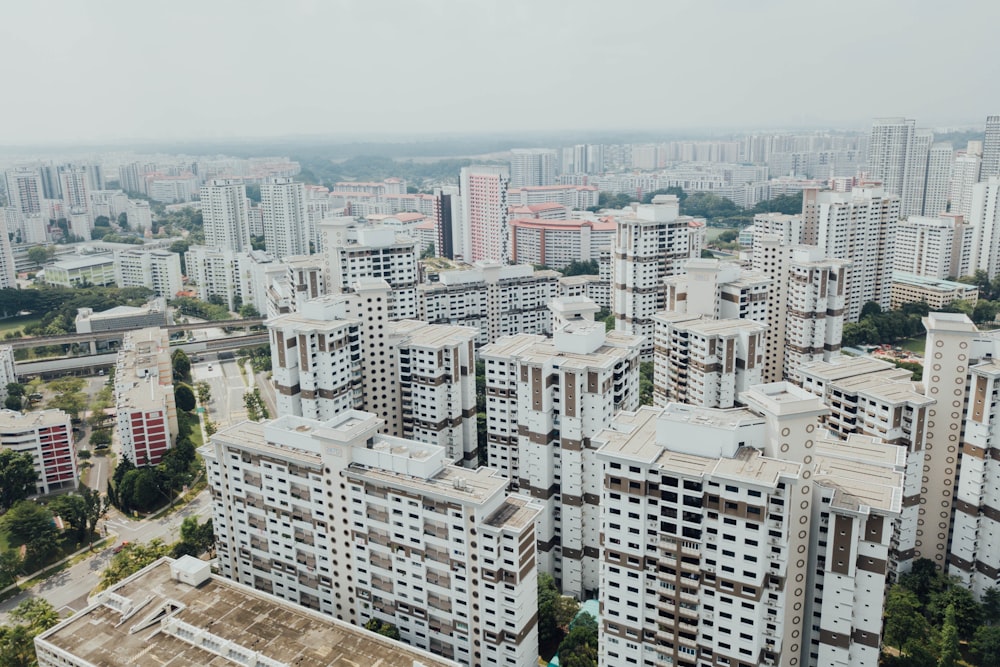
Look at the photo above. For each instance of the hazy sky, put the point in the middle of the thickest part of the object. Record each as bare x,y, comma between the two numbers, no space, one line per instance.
99,70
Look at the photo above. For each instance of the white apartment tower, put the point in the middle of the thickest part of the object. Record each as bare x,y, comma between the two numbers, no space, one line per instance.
649,246
991,148
939,166
743,537
225,210
807,298
705,362
858,226
336,517
146,415
356,253
870,397
985,218
341,352
483,232
159,270
497,300
939,247
24,191
545,400
8,270
897,158
964,175
531,167
75,185
283,213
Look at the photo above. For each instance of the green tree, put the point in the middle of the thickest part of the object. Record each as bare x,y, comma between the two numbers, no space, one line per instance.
646,383
967,612
198,535
548,627
581,268
870,308
11,563
95,508
12,402
991,606
575,648
123,220
248,312
147,489
428,252
131,559
73,511
181,365
204,392
184,397
37,613
100,438
949,654
985,646
38,255
17,477
15,389
31,617
904,621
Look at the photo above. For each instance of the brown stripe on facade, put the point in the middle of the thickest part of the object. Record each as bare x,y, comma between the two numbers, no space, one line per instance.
831,638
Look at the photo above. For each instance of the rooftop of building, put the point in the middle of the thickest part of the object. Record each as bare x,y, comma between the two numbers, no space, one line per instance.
580,279
544,351
167,622
12,419
602,225
440,336
929,282
83,262
865,473
707,326
462,485
516,513
955,322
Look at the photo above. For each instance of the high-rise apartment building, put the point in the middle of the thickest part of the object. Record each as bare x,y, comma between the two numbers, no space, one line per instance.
705,361
497,300
649,246
284,218
985,219
935,247
130,178
807,301
159,270
744,537
336,517
146,416
939,167
24,191
788,227
545,400
870,397
224,207
858,226
964,175
533,167
991,148
47,436
340,352
8,270
75,185
897,158
357,252
483,231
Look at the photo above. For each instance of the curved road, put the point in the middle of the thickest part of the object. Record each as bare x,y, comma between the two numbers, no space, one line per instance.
68,590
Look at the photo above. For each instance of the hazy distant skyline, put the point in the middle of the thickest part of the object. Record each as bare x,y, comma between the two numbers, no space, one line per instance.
117,71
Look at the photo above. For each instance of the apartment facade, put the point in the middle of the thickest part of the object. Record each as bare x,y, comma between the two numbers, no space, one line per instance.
158,270
743,537
649,246
860,227
484,230
47,436
225,210
545,400
337,518
939,247
284,217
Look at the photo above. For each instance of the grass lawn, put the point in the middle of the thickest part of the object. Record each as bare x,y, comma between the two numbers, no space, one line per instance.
915,344
192,420
12,324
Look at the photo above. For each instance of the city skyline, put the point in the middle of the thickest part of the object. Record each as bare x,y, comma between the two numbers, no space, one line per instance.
254,70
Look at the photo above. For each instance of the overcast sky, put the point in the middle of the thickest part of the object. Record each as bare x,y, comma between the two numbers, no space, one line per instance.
100,70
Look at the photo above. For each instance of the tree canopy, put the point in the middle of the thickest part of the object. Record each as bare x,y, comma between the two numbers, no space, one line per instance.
17,477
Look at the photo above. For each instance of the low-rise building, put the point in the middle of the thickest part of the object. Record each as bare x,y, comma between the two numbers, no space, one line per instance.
146,416
97,270
177,612
935,292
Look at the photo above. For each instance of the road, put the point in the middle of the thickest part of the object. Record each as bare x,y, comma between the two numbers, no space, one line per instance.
68,590
100,469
